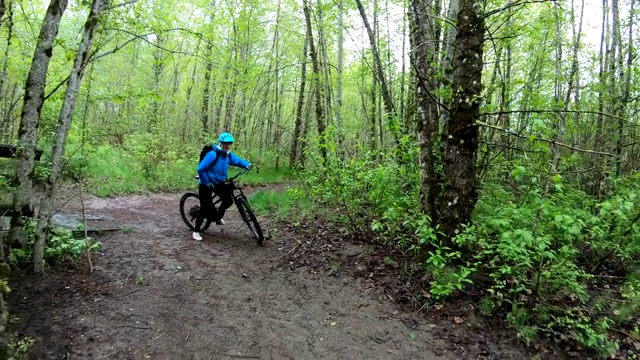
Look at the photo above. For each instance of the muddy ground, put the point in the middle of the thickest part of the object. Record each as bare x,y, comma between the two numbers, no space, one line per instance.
156,294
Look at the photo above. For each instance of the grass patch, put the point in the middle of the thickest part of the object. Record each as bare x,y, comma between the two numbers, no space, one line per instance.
267,175
112,171
281,205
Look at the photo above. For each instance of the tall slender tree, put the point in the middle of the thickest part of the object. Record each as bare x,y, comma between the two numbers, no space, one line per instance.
23,198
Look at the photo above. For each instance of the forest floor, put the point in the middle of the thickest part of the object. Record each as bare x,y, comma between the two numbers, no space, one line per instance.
308,294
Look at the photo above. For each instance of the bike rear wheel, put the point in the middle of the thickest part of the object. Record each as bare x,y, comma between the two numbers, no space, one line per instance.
190,209
250,219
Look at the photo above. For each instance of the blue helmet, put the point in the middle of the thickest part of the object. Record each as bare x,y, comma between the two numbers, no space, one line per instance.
226,138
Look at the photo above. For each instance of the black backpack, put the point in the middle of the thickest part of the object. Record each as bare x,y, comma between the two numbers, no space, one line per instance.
205,150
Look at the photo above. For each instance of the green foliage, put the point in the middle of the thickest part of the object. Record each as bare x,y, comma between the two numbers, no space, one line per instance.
541,249
544,253
281,205
372,193
18,347
145,164
61,244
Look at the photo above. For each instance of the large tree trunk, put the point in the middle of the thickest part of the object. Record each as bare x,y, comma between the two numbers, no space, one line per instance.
30,120
460,187
316,77
422,55
62,130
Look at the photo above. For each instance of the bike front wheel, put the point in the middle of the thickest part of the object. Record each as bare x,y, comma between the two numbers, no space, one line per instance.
250,219
190,209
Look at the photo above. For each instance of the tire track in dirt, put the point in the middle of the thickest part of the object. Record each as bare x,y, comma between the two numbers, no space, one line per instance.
165,296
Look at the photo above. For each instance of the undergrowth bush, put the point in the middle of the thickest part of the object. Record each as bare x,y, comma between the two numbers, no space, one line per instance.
554,261
61,244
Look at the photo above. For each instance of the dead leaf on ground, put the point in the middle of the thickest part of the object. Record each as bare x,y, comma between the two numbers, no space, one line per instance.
458,320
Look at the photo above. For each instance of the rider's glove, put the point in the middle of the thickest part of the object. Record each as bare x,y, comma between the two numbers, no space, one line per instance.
248,167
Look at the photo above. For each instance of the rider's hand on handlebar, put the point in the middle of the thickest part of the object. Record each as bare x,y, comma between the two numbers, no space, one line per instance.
248,167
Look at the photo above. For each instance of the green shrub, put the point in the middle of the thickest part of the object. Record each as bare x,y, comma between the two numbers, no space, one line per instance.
541,245
61,244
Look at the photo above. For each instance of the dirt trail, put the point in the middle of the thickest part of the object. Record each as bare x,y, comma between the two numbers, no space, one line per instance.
157,294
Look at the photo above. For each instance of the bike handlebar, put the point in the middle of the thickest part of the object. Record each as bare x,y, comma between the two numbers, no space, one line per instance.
244,171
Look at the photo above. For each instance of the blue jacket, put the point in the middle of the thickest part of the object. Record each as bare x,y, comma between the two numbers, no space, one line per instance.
211,175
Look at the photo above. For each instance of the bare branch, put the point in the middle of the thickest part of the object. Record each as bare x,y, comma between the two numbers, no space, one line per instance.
553,142
559,111
423,83
114,50
123,4
520,3
56,88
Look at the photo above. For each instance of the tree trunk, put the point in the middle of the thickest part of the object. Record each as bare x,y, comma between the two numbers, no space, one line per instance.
306,128
422,56
189,90
326,68
625,76
316,79
6,120
339,133
598,145
204,113
62,130
559,120
158,66
403,72
373,133
379,74
85,113
293,160
30,120
460,187
208,67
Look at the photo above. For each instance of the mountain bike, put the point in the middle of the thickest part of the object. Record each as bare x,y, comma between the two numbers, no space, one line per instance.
190,213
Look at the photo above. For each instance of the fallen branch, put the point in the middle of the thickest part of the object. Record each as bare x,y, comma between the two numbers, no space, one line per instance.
553,142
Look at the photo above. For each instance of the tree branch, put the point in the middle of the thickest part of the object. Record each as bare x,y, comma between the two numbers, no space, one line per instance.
553,142
94,57
520,3
542,111
123,4
143,38
56,88
423,82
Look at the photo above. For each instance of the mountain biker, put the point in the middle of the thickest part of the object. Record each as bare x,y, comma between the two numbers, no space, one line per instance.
212,171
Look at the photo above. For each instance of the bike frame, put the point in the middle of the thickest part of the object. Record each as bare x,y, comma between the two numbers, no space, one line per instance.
234,188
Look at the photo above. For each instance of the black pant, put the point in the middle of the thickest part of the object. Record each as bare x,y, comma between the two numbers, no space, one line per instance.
205,193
